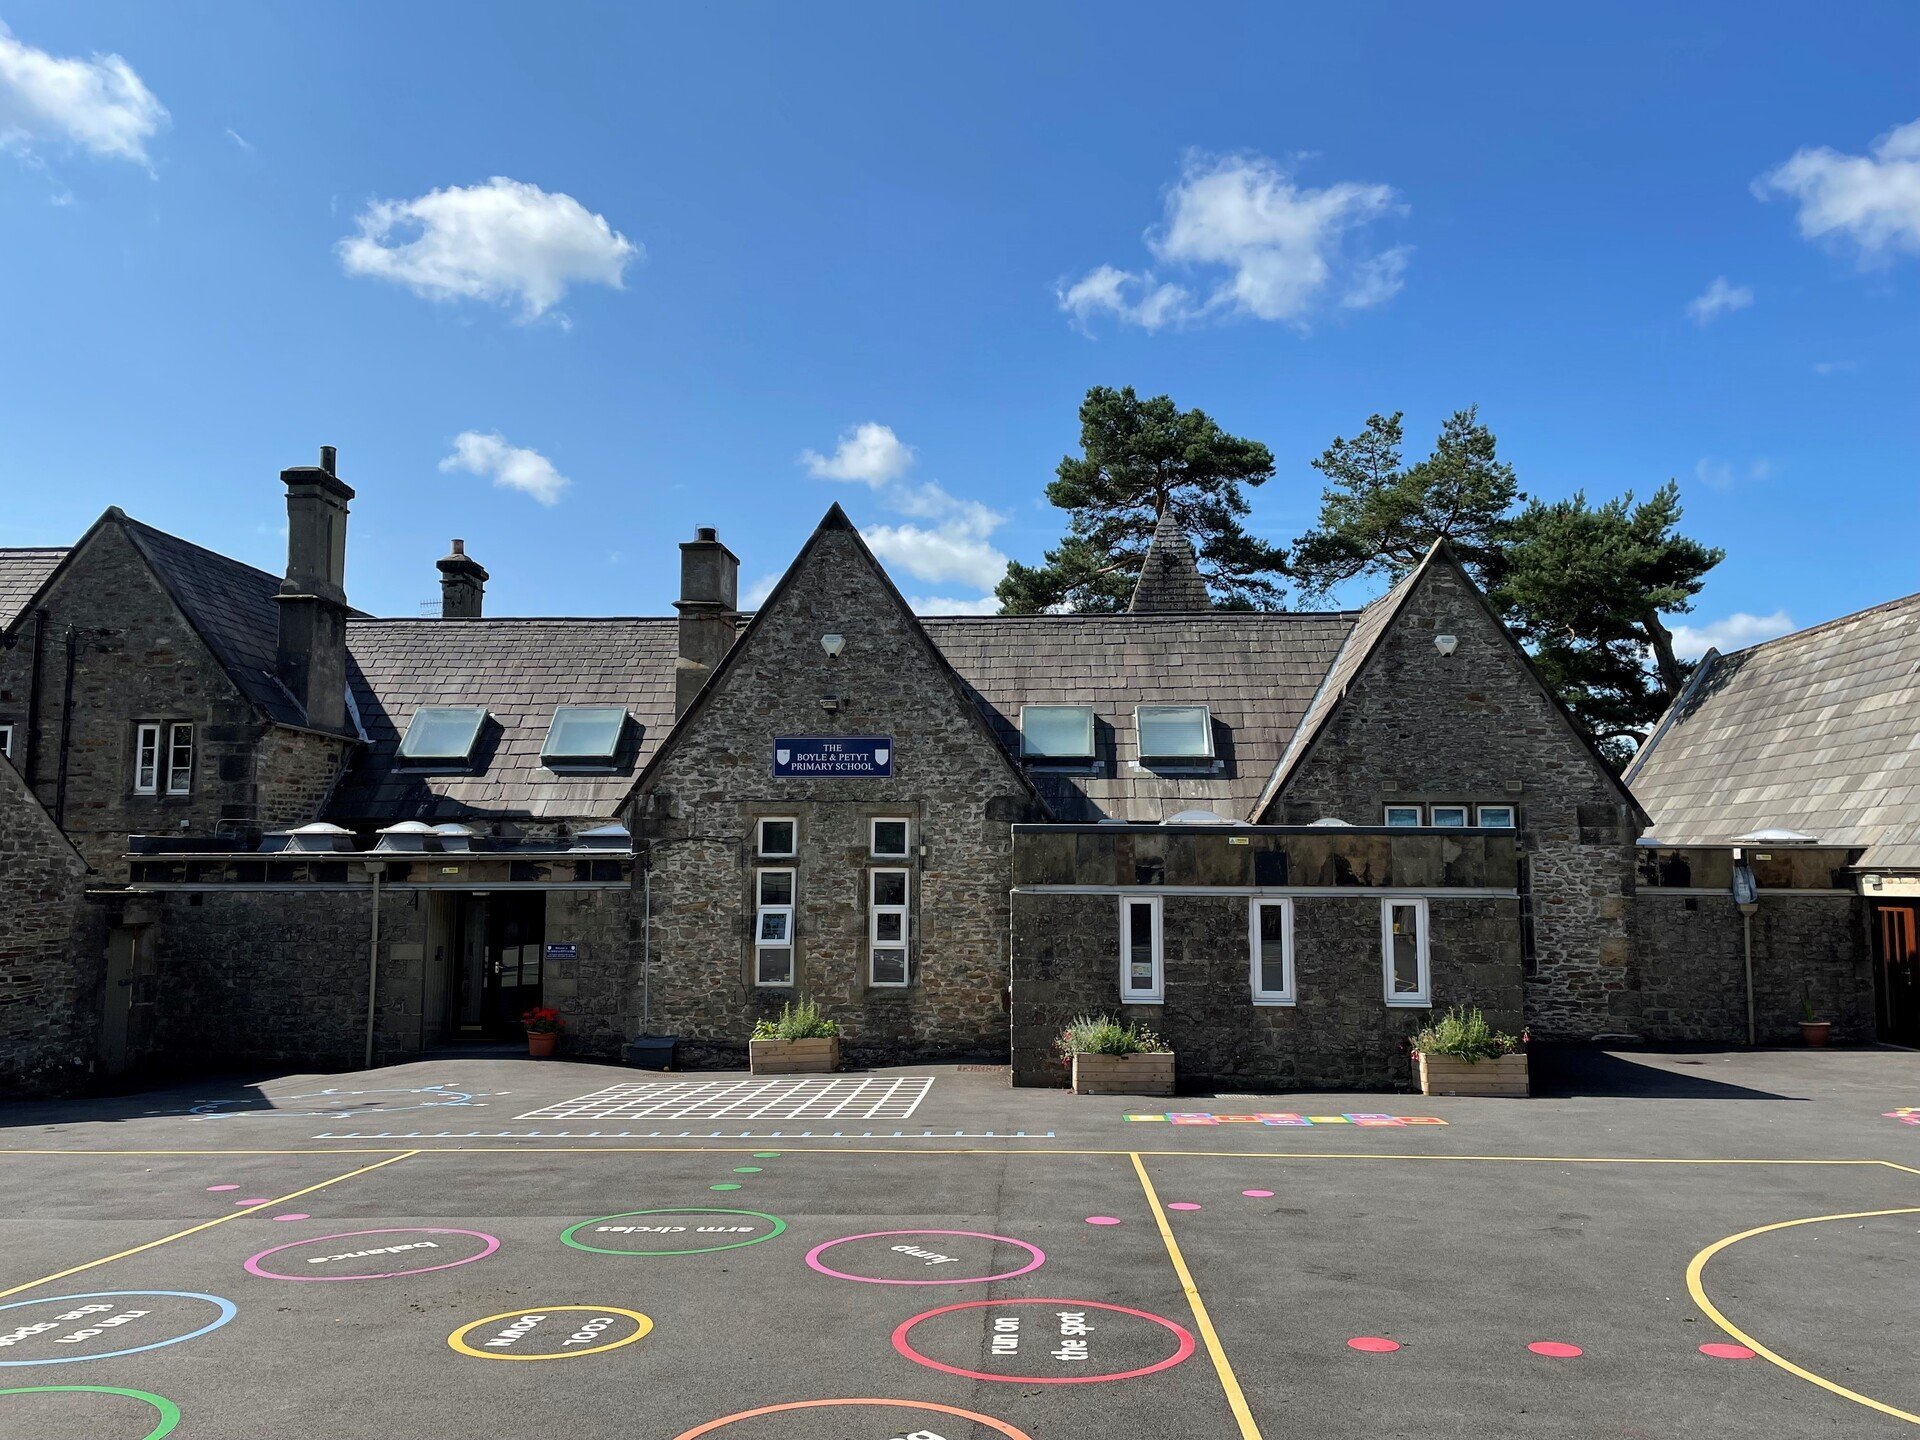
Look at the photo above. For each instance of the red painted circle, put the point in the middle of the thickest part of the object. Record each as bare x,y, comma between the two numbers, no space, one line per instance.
1557,1349
1727,1352
1373,1344
998,1426
1181,1351
1102,1220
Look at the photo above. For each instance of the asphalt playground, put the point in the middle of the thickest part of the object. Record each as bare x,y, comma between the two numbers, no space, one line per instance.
1660,1245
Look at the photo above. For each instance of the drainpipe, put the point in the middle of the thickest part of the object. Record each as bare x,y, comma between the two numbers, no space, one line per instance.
1746,895
374,870
66,737
646,945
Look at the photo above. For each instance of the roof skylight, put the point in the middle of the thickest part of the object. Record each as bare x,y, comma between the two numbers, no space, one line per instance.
442,732
584,734
1175,732
1056,732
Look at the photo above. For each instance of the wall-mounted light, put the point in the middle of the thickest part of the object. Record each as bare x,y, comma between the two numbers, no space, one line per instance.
833,645
1446,644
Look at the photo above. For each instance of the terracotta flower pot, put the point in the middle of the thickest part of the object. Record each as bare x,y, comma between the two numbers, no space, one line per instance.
1816,1033
539,1045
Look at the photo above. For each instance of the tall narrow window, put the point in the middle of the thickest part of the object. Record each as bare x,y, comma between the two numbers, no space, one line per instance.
1403,946
890,839
887,927
6,741
1270,938
1142,974
180,760
146,760
773,927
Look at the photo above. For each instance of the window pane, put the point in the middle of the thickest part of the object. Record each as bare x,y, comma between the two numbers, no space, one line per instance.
1450,815
1273,942
1403,814
774,967
584,732
889,837
147,763
774,927
776,887
442,732
1140,947
1176,732
1497,817
180,760
776,837
889,887
889,967
1406,950
890,927
1057,731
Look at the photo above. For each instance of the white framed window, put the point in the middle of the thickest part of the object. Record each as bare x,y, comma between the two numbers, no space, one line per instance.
1495,817
773,926
442,734
1174,732
892,835
1270,951
1398,815
1403,952
778,837
1056,732
180,759
887,927
1142,964
146,759
6,741
1453,817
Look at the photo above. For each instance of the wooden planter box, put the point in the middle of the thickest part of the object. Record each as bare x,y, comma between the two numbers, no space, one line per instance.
1148,1074
794,1057
1450,1075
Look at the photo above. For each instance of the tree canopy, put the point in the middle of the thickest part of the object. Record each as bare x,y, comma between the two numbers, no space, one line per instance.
1142,459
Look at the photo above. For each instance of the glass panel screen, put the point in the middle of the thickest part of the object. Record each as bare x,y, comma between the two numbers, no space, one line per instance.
442,732
584,732
1056,732
1273,949
1406,949
1176,732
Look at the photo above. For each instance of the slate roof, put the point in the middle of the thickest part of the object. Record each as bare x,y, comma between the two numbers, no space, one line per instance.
1257,671
22,572
1170,573
520,670
1817,732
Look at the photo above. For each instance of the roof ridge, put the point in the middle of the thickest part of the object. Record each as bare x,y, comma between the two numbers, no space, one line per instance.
510,619
267,575
1837,620
1147,617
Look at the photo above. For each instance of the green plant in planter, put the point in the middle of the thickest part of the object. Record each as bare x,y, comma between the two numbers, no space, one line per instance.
1463,1033
1104,1035
797,1022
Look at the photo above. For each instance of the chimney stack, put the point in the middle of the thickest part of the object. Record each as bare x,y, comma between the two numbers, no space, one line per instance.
463,583
708,606
311,658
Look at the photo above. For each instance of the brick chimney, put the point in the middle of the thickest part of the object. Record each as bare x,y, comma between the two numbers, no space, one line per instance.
708,606
463,584
311,658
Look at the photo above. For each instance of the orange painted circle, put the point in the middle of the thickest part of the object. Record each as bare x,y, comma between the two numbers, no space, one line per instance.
998,1426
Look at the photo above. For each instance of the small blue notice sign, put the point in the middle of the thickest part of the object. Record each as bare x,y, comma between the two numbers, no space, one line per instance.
563,950
833,757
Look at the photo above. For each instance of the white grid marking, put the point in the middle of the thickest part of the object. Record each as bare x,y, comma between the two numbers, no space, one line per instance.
894,1098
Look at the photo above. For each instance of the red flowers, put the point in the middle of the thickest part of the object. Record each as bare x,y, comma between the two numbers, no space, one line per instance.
542,1020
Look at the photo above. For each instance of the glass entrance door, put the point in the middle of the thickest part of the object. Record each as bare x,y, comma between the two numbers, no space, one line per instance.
516,943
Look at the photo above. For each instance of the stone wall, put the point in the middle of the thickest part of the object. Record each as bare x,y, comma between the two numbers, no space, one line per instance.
1475,727
695,817
597,994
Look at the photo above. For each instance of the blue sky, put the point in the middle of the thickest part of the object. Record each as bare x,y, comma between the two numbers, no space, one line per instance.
739,263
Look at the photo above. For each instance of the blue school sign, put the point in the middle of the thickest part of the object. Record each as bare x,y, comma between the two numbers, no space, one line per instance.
810,757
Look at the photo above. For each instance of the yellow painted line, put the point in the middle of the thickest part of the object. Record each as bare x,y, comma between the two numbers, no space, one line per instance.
1236,1401
1892,1165
1699,1264
203,1225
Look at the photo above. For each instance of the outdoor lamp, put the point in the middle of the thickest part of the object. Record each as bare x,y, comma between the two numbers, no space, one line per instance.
833,645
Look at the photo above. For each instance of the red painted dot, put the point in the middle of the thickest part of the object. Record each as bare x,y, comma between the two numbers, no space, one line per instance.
296,1215
1727,1352
213,1188
1373,1344
1258,1194
1183,1205
1102,1220
1557,1349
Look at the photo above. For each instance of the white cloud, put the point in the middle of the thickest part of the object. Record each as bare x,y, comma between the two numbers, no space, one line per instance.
758,592
1833,367
239,139
501,241
1719,298
1285,250
869,453
938,553
1872,200
510,467
98,104
946,605
1718,474
1734,632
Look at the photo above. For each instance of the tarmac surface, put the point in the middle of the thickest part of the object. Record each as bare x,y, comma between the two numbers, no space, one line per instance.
1700,1244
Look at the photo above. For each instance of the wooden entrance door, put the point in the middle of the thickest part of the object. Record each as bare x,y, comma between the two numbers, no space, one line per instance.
1896,945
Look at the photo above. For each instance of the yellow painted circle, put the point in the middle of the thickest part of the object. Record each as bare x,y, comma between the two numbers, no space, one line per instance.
458,1340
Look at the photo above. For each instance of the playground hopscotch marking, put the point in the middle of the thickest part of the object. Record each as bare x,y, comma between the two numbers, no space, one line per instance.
772,1098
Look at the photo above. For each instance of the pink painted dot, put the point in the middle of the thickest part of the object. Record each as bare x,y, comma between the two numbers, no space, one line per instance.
1373,1344
296,1215
1556,1349
1258,1194
1727,1352
212,1188
1102,1220
257,1200
1183,1205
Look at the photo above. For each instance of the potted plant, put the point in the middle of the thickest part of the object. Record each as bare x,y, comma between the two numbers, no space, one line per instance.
802,1041
1814,1033
1460,1054
1109,1058
543,1025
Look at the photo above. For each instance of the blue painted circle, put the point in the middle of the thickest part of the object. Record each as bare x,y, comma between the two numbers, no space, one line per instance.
227,1311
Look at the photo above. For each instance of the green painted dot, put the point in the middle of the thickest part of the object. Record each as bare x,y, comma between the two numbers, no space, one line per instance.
766,1154
746,1169
723,1187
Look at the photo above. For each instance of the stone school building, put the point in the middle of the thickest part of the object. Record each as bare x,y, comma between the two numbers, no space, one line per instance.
244,822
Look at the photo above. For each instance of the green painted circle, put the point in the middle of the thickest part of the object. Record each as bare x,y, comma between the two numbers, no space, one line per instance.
728,1186
566,1236
169,1412
746,1169
766,1154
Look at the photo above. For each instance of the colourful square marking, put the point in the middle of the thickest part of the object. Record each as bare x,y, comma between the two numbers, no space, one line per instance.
1146,1117
1287,1120
1328,1119
1238,1119
1193,1120
1421,1120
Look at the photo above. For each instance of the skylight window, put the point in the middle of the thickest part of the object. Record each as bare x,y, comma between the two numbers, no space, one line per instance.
1056,732
584,734
1175,732
442,732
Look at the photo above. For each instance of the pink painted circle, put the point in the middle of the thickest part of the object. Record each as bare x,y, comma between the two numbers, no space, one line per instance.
1183,1205
1373,1344
1555,1349
254,1267
813,1258
1258,1194
213,1188
1102,1220
1721,1351
1183,1347
296,1215
257,1200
